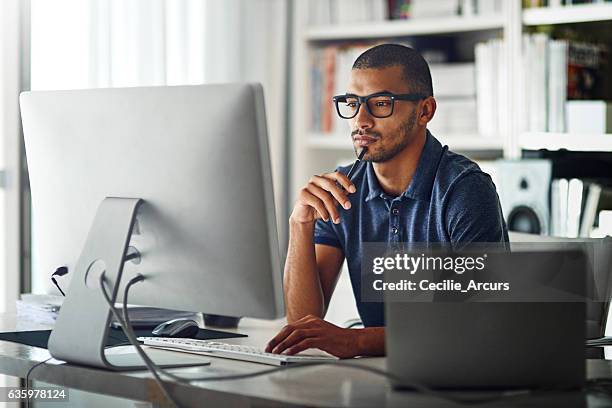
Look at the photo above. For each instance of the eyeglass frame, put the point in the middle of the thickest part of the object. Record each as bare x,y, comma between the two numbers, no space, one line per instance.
361,100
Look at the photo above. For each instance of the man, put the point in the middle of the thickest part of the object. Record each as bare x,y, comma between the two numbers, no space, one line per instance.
409,189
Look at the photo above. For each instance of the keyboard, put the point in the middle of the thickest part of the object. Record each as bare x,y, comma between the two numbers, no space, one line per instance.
233,351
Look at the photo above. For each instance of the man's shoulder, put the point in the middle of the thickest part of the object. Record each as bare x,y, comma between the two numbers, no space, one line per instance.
457,172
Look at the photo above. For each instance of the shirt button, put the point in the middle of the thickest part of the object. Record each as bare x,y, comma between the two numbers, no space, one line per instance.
394,230
395,211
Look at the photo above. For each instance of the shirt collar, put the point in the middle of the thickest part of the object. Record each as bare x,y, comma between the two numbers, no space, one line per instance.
424,176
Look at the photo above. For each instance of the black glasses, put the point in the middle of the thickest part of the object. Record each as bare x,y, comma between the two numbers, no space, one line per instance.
379,105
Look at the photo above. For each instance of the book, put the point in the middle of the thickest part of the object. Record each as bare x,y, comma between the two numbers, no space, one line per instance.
558,202
553,71
316,87
329,76
399,9
438,8
589,211
454,116
585,71
488,7
484,89
500,87
327,88
378,10
574,207
320,12
557,85
454,79
537,82
491,88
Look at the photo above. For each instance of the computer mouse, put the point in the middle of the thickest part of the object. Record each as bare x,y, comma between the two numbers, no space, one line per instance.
177,328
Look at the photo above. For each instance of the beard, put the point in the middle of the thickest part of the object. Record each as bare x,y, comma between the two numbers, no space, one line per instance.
402,140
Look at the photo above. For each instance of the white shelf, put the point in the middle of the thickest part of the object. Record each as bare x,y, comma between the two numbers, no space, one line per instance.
460,143
567,14
573,142
471,143
399,28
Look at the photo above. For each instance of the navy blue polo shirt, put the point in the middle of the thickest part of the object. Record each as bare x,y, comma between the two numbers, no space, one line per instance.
449,200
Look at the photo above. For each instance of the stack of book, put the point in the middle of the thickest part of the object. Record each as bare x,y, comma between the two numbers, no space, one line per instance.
455,91
329,12
574,206
554,71
417,9
557,3
330,72
544,77
491,86
428,8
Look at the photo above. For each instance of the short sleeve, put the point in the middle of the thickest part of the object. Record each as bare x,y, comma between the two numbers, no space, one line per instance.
473,212
325,234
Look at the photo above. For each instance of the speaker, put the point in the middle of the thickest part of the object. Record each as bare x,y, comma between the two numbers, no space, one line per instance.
523,188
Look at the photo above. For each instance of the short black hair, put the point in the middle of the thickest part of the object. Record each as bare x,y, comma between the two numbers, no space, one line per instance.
416,69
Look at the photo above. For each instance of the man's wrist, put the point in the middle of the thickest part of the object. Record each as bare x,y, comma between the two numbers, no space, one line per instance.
300,225
361,341
369,341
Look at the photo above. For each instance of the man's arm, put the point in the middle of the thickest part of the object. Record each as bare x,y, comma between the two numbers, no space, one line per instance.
474,214
311,273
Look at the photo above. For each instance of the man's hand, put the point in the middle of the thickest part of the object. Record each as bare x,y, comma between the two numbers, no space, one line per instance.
320,197
314,332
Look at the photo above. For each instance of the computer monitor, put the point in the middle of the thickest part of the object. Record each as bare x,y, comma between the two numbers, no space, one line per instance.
205,230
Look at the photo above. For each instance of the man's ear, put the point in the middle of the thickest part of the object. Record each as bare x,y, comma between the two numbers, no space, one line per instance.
428,110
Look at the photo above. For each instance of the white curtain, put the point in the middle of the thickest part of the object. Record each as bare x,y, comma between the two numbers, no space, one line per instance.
118,43
12,81
101,43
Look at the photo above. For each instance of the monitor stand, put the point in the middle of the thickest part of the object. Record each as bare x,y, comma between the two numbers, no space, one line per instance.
81,329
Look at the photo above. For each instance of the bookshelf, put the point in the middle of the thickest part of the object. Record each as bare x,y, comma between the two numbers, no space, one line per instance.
403,28
564,15
313,152
460,142
565,141
582,13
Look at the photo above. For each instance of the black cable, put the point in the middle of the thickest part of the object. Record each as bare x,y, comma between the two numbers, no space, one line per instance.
27,380
57,286
61,271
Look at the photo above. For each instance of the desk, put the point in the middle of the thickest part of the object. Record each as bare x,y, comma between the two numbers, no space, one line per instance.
320,386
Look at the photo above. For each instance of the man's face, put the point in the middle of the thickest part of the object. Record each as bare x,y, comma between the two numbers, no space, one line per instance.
384,137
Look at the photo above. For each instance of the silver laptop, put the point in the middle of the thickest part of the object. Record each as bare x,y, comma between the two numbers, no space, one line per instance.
492,345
